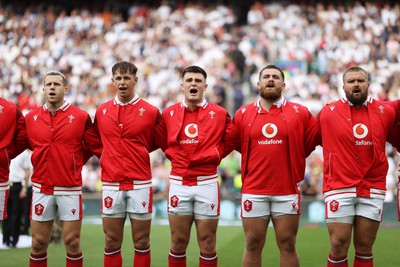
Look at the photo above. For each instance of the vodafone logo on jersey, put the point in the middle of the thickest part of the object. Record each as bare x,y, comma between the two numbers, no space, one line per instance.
269,130
191,132
360,131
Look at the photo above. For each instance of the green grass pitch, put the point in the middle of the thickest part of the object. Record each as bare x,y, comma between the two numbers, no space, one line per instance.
312,247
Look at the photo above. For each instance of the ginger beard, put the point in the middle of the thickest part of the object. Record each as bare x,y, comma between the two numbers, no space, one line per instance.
270,92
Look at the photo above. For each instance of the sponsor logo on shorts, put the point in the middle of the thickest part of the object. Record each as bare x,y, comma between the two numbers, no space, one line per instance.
174,201
334,206
270,130
212,206
108,202
144,204
247,205
73,211
39,208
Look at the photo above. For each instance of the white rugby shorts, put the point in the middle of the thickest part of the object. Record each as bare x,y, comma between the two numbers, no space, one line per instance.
45,207
201,201
266,205
138,203
344,208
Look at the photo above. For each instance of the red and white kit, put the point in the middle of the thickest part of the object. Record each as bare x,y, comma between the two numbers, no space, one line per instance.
58,152
11,129
12,126
194,142
128,132
279,140
355,163
395,141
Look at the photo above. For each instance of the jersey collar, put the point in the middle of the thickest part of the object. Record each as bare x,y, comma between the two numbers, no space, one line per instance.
133,101
63,107
202,104
281,102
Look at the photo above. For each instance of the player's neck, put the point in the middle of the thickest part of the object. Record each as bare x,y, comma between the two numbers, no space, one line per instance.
266,104
53,107
125,98
192,104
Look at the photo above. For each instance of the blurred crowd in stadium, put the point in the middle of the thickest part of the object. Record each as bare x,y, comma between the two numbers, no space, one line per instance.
314,43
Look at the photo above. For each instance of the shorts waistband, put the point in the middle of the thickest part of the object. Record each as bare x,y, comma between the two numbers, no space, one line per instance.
199,180
57,190
137,184
4,186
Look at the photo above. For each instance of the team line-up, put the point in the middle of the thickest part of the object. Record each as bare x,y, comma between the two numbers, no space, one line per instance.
273,135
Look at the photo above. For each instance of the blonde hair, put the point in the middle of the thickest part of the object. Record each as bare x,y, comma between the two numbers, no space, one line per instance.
56,73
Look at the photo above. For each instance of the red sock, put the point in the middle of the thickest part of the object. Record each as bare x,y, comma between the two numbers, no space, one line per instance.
208,260
176,259
337,262
38,260
363,260
74,260
142,257
112,257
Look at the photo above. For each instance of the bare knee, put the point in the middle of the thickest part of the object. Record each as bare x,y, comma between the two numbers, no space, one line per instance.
39,244
72,244
179,243
255,243
207,244
363,246
339,247
287,246
142,242
112,240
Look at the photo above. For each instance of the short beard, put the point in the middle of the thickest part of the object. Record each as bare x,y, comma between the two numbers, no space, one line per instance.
357,101
271,95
